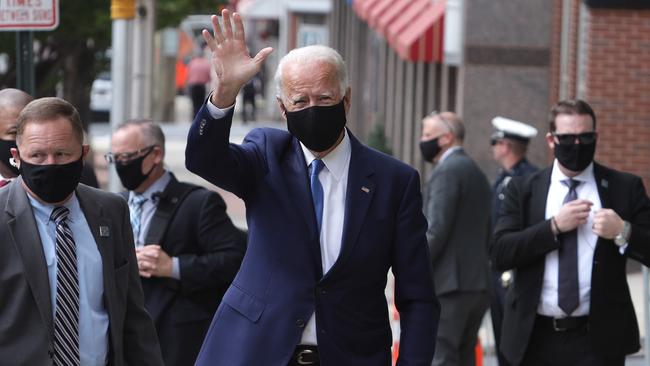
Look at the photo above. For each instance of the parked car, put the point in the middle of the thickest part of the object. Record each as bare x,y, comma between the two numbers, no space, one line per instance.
101,97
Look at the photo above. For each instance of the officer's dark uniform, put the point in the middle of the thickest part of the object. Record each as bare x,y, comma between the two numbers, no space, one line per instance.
523,167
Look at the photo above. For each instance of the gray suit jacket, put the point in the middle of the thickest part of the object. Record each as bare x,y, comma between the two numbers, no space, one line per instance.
457,206
26,324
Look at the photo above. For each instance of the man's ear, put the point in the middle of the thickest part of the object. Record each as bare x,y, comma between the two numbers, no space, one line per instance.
346,99
85,149
158,154
283,109
16,156
550,141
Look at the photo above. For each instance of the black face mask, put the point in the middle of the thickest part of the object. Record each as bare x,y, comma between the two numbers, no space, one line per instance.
52,183
575,157
317,127
5,155
130,173
430,149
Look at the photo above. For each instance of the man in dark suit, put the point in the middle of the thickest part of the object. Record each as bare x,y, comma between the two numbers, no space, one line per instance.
567,231
188,250
457,206
509,145
68,274
311,287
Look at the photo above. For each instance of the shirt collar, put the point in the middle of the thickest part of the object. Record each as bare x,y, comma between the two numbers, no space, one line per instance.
337,160
586,175
44,210
449,151
157,186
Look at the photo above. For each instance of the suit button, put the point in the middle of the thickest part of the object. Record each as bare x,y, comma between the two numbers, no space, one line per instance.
300,323
50,353
323,291
322,331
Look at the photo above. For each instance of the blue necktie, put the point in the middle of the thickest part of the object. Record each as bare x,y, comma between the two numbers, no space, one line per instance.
135,208
317,190
567,279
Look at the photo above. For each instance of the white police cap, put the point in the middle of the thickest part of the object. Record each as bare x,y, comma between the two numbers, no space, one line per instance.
509,128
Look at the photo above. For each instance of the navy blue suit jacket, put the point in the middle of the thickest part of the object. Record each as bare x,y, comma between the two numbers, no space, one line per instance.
280,283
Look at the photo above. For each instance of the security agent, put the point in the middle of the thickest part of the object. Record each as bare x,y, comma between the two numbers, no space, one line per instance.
509,145
187,248
568,230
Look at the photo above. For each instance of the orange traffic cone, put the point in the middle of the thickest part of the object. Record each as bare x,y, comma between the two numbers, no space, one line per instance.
478,350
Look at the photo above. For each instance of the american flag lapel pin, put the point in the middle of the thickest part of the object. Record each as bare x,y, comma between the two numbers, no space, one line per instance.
365,189
604,183
104,231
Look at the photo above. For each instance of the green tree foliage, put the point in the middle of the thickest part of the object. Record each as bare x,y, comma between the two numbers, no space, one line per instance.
74,53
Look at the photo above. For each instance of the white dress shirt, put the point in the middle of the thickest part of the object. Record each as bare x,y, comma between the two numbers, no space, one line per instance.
334,179
587,239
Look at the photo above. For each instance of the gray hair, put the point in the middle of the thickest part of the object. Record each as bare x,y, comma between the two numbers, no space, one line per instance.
151,131
311,54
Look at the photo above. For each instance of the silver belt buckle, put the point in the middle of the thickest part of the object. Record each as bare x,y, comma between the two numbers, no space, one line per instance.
556,327
299,359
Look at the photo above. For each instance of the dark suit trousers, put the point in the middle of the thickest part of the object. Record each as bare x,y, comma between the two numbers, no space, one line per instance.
548,347
180,343
461,313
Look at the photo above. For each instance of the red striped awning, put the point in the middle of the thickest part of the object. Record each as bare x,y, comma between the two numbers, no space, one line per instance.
422,39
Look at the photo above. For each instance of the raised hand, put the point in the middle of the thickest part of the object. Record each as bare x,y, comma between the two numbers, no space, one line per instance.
231,60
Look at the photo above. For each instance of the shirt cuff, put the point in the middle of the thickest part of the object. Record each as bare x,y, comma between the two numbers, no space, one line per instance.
216,112
176,269
622,248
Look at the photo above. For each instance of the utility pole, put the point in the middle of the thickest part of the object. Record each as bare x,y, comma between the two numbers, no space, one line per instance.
142,59
122,13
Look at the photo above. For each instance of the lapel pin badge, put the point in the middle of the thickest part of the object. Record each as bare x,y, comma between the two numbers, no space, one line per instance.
365,189
104,231
604,183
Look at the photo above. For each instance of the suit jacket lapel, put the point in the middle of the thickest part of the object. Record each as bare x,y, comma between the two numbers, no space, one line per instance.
28,243
602,182
297,182
360,191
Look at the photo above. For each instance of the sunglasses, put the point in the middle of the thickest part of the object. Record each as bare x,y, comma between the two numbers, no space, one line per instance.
585,138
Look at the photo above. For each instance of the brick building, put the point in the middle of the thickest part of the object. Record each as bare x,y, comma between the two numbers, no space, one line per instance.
483,58
601,53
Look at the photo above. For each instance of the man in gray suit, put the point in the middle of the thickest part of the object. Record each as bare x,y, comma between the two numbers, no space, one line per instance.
457,206
69,286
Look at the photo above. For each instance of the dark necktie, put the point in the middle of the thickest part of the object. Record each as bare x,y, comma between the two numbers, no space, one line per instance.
66,315
317,190
568,286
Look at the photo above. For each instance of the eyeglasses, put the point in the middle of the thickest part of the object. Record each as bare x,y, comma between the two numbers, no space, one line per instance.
585,138
127,156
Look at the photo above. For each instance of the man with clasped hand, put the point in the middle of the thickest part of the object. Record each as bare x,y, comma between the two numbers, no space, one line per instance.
69,286
567,231
327,218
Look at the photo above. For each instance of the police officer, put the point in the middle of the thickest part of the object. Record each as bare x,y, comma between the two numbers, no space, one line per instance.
509,145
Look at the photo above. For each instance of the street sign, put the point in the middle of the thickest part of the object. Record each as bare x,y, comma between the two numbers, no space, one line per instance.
29,15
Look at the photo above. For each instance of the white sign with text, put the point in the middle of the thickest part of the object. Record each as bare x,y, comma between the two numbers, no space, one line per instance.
25,15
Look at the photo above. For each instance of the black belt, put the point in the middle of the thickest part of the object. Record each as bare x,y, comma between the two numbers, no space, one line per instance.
305,355
563,324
